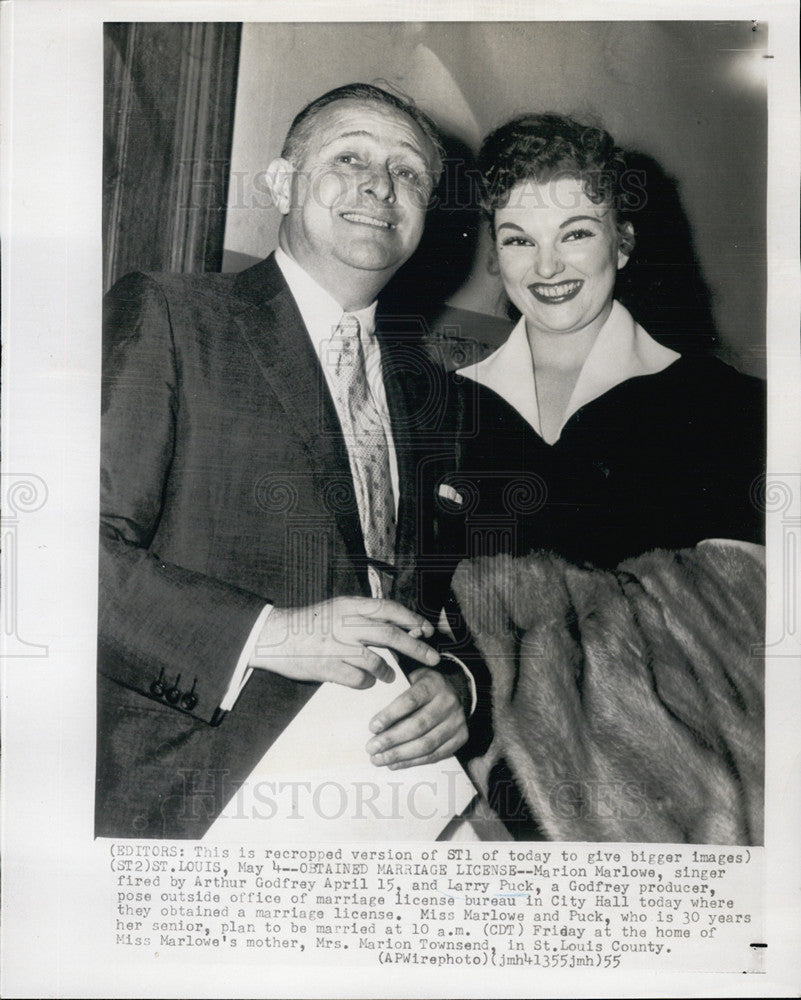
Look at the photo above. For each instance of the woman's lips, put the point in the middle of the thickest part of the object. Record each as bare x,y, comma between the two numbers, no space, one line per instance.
552,295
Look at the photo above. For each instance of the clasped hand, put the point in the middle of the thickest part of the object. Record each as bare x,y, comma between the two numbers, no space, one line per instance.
330,642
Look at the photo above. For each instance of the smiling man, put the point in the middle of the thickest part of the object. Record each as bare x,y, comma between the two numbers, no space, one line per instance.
353,185
268,484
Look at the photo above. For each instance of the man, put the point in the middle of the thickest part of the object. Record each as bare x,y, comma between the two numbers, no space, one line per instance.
268,482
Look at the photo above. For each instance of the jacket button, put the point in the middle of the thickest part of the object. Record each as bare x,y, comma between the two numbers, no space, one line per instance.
173,695
189,701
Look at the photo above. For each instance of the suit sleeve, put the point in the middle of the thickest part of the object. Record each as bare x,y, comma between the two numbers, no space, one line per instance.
166,631
460,654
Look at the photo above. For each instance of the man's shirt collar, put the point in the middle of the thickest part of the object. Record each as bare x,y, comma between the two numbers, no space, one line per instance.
321,313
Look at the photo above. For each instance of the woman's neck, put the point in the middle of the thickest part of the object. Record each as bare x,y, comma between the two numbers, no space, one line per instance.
558,359
561,352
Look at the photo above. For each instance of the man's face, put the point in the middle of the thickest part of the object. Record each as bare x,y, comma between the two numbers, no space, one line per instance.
359,196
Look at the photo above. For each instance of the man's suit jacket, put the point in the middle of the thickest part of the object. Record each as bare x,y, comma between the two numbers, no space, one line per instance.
225,483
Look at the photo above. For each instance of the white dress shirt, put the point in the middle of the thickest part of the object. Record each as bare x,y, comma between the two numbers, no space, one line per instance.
622,350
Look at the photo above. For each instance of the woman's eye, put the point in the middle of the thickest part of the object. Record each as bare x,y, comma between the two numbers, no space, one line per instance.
577,234
346,158
516,241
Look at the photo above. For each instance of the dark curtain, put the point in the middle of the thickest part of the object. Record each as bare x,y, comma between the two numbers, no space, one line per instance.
168,121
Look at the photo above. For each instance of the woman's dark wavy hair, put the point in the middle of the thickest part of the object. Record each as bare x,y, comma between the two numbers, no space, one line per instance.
543,147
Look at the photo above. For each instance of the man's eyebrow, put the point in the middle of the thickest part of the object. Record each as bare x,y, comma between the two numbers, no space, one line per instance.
361,133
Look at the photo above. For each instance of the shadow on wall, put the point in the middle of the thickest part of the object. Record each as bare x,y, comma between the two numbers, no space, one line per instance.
663,286
444,259
444,263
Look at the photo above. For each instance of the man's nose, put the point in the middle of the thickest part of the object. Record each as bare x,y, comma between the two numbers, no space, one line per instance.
380,183
549,262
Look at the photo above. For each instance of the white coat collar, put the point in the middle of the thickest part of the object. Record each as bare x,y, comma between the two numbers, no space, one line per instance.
622,350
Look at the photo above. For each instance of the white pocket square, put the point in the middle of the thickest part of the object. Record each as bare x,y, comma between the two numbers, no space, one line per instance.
447,491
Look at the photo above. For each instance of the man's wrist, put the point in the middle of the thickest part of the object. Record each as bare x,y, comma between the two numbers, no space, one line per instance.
452,668
243,670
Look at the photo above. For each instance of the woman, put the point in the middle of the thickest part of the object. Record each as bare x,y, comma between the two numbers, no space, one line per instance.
634,447
627,700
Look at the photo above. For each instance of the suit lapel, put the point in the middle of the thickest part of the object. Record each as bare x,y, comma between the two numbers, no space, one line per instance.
415,398
271,324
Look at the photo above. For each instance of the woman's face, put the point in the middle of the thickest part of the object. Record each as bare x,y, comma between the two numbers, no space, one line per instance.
558,254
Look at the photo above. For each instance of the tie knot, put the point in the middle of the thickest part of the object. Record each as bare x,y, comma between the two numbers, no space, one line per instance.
349,326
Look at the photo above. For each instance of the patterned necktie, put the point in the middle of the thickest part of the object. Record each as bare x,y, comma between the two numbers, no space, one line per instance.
367,448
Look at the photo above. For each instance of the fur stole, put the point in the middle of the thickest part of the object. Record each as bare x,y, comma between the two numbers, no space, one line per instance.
629,704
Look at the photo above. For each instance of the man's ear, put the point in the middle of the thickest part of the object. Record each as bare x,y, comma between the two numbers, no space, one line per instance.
626,242
279,176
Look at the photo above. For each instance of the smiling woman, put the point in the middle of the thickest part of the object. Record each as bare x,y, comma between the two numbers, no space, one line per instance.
558,253
558,249
553,191
595,446
637,446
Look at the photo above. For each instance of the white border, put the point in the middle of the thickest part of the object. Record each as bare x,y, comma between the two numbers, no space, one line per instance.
51,185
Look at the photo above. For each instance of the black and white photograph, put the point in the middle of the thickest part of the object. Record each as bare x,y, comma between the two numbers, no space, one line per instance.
591,471
433,381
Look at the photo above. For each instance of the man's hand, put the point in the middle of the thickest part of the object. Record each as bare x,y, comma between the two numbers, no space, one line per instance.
328,641
424,724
